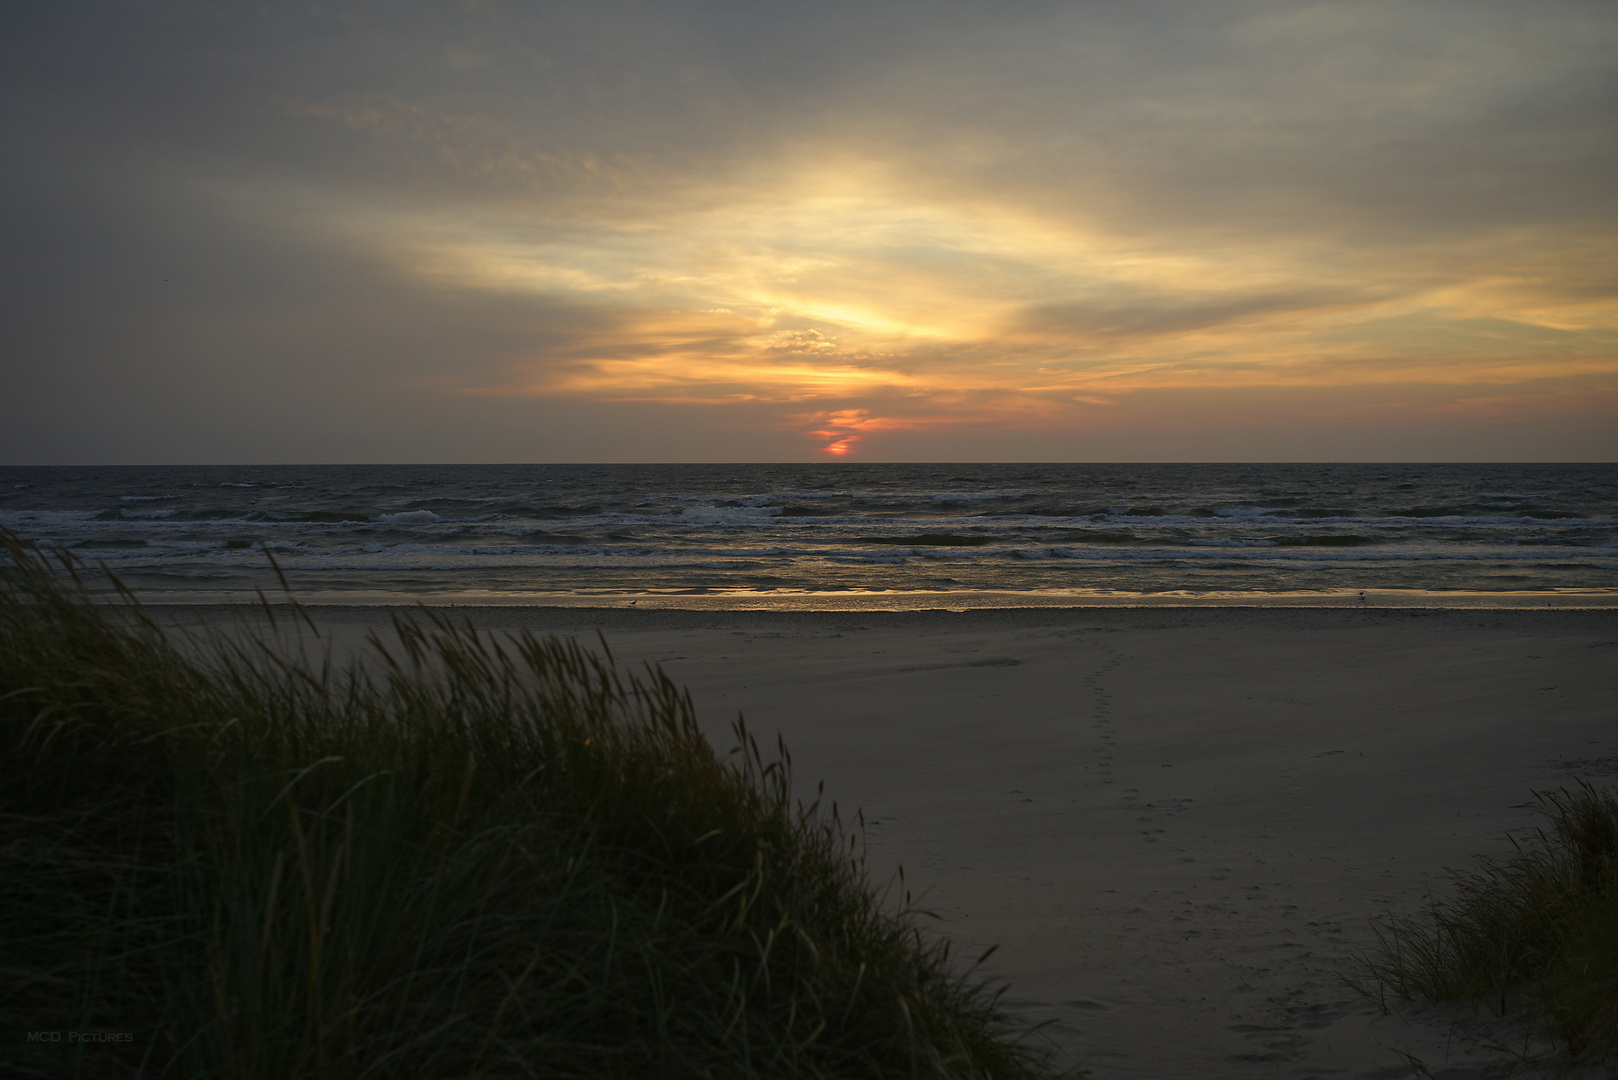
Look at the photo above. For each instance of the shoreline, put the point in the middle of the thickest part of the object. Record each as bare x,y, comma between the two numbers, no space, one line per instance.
345,621
963,600
348,625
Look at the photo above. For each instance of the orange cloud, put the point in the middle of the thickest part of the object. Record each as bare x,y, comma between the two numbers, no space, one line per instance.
892,306
842,429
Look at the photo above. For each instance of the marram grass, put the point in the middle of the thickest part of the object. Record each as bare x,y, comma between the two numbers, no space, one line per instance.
1534,934
458,858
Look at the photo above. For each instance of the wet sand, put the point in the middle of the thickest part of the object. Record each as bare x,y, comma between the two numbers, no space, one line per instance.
1176,823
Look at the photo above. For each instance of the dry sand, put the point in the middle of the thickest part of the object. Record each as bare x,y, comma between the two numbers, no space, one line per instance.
1177,824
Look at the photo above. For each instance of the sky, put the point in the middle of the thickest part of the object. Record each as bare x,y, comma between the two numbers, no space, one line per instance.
769,231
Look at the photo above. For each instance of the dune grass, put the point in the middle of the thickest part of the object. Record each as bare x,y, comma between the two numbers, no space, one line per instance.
1535,933
461,857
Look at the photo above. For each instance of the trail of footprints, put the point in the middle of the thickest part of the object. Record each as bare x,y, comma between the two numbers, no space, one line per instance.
1101,720
1291,1019
1101,715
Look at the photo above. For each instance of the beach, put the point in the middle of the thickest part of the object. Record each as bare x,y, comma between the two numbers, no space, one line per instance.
1177,823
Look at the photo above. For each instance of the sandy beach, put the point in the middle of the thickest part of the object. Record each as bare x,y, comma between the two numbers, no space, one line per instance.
1177,824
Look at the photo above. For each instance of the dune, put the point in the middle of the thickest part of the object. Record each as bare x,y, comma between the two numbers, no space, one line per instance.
1177,824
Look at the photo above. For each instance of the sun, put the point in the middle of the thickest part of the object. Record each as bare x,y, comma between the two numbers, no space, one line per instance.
841,447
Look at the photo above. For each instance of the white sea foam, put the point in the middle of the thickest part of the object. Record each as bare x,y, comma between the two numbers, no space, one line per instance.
408,517
1252,512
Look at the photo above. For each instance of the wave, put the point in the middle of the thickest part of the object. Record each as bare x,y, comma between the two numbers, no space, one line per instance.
859,526
730,513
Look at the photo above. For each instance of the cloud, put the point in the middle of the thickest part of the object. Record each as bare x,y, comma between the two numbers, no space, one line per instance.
816,226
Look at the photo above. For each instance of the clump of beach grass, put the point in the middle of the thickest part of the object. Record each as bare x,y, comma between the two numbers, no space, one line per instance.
1533,934
458,857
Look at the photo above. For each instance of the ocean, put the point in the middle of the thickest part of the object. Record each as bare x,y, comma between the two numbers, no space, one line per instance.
785,535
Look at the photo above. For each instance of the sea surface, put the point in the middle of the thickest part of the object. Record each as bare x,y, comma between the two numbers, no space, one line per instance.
570,533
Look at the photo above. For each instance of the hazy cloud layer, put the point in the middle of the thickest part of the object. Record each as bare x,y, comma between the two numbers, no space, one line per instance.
494,231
